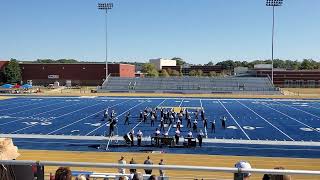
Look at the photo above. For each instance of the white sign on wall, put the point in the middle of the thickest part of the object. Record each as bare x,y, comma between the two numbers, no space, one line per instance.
53,76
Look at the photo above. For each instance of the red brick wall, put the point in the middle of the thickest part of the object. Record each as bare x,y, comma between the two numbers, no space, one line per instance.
80,74
127,70
281,76
3,64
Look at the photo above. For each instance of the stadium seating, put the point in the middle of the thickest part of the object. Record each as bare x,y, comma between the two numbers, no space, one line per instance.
258,85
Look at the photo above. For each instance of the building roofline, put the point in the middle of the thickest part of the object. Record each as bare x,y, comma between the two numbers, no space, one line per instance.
85,63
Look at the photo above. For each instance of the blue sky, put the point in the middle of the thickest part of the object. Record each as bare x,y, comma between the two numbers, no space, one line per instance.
197,31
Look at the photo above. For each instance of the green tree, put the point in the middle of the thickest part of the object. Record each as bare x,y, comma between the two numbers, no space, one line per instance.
193,73
212,74
309,64
180,61
2,77
210,63
56,61
175,73
12,72
169,70
150,70
44,61
153,73
306,64
164,73
148,67
199,72
293,64
228,64
67,61
180,73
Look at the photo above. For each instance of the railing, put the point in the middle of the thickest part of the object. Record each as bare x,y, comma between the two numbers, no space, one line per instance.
104,84
164,167
270,80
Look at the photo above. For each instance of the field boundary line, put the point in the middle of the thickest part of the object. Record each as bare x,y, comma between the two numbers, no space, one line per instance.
208,140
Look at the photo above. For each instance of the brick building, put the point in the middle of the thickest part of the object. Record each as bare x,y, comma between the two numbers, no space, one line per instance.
83,74
292,78
3,64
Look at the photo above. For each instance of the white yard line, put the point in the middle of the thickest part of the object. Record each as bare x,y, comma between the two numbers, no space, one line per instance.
234,120
116,117
86,117
181,102
293,118
23,118
15,101
58,116
36,108
299,110
171,124
313,106
22,106
141,121
267,121
205,128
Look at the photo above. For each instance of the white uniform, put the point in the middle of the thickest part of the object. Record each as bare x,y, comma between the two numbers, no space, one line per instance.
122,170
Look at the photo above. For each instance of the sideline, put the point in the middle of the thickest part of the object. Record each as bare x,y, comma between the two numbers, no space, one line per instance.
208,140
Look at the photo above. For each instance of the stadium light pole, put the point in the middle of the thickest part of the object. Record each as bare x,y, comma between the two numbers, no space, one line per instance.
273,3
106,7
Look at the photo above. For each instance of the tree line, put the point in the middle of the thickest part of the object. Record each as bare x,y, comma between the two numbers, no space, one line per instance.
305,64
229,65
67,61
12,72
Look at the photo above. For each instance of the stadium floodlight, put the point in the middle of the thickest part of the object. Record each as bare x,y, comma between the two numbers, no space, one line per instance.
106,7
273,3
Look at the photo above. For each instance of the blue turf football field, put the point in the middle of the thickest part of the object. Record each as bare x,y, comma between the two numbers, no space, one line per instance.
258,120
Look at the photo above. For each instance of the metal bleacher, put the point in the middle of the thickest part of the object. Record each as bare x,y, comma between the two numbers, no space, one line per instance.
258,85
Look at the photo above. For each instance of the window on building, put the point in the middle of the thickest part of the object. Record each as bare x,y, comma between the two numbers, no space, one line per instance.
299,83
311,83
